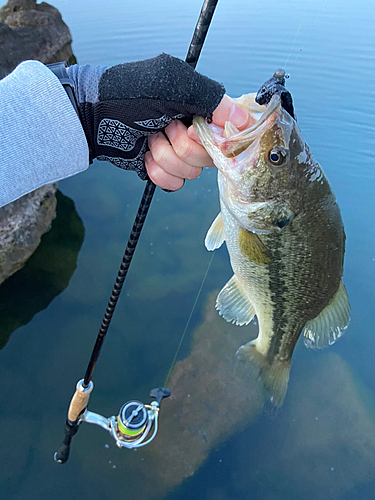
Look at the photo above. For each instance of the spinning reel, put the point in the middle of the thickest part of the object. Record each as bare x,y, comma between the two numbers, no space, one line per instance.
134,422
130,429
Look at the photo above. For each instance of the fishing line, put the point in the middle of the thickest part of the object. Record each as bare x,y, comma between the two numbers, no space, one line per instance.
294,41
317,16
188,321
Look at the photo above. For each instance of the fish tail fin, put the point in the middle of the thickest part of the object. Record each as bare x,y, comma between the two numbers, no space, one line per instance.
274,375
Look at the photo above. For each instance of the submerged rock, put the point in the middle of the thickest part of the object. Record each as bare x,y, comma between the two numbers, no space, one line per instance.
325,445
210,402
28,31
210,399
320,444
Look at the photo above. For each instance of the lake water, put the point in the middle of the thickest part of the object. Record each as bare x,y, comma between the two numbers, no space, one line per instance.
321,443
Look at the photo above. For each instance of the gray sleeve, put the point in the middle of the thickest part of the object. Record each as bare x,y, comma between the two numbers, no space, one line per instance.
42,140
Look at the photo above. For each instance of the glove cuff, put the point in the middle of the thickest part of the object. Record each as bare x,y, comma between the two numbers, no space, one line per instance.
60,70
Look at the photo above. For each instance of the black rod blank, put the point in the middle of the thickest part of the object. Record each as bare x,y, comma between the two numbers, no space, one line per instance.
126,260
200,32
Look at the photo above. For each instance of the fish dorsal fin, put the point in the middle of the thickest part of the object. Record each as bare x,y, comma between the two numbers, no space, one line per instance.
253,248
330,324
233,304
215,235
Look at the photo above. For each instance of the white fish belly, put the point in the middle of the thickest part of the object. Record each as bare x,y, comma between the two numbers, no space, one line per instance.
254,280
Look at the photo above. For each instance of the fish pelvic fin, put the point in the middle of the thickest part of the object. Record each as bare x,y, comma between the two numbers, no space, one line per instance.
330,324
215,235
274,375
233,304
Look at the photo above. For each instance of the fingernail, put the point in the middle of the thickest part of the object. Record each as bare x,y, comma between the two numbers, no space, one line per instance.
174,190
239,117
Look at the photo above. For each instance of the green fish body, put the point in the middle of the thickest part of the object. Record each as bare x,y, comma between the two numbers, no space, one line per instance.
285,237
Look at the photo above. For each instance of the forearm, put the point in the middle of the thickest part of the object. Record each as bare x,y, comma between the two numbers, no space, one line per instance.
42,140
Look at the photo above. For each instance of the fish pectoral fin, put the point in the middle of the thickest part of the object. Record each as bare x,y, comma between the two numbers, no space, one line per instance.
330,324
253,248
233,304
215,235
274,375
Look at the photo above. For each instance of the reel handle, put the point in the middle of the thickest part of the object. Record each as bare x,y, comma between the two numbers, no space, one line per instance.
159,393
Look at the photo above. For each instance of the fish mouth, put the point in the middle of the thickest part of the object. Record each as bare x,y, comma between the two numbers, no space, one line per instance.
238,142
226,143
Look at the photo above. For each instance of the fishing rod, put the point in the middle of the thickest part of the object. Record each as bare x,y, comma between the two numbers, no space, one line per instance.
135,421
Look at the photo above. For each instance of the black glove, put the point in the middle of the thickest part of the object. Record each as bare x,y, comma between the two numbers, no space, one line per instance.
121,105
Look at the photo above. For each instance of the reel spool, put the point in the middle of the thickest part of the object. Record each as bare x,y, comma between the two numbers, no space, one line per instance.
132,420
134,423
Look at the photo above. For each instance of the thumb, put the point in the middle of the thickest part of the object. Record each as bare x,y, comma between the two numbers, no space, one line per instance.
229,110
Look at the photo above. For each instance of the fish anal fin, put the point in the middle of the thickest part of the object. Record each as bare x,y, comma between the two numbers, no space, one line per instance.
215,235
274,375
330,324
233,304
253,248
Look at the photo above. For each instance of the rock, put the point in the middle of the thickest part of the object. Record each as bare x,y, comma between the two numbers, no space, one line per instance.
32,31
321,444
28,31
22,224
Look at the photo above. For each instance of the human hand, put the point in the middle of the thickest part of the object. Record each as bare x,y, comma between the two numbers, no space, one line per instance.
179,155
122,105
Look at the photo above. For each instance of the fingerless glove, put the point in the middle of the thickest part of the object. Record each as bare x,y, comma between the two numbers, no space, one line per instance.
121,105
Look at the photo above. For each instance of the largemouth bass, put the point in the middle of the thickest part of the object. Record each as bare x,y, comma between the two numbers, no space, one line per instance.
285,237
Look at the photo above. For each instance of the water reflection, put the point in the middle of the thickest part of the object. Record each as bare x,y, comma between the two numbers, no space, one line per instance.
46,274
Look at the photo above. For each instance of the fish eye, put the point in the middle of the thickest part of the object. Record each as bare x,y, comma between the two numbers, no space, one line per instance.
277,156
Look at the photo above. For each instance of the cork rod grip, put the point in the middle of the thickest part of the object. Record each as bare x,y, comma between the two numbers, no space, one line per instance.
79,401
